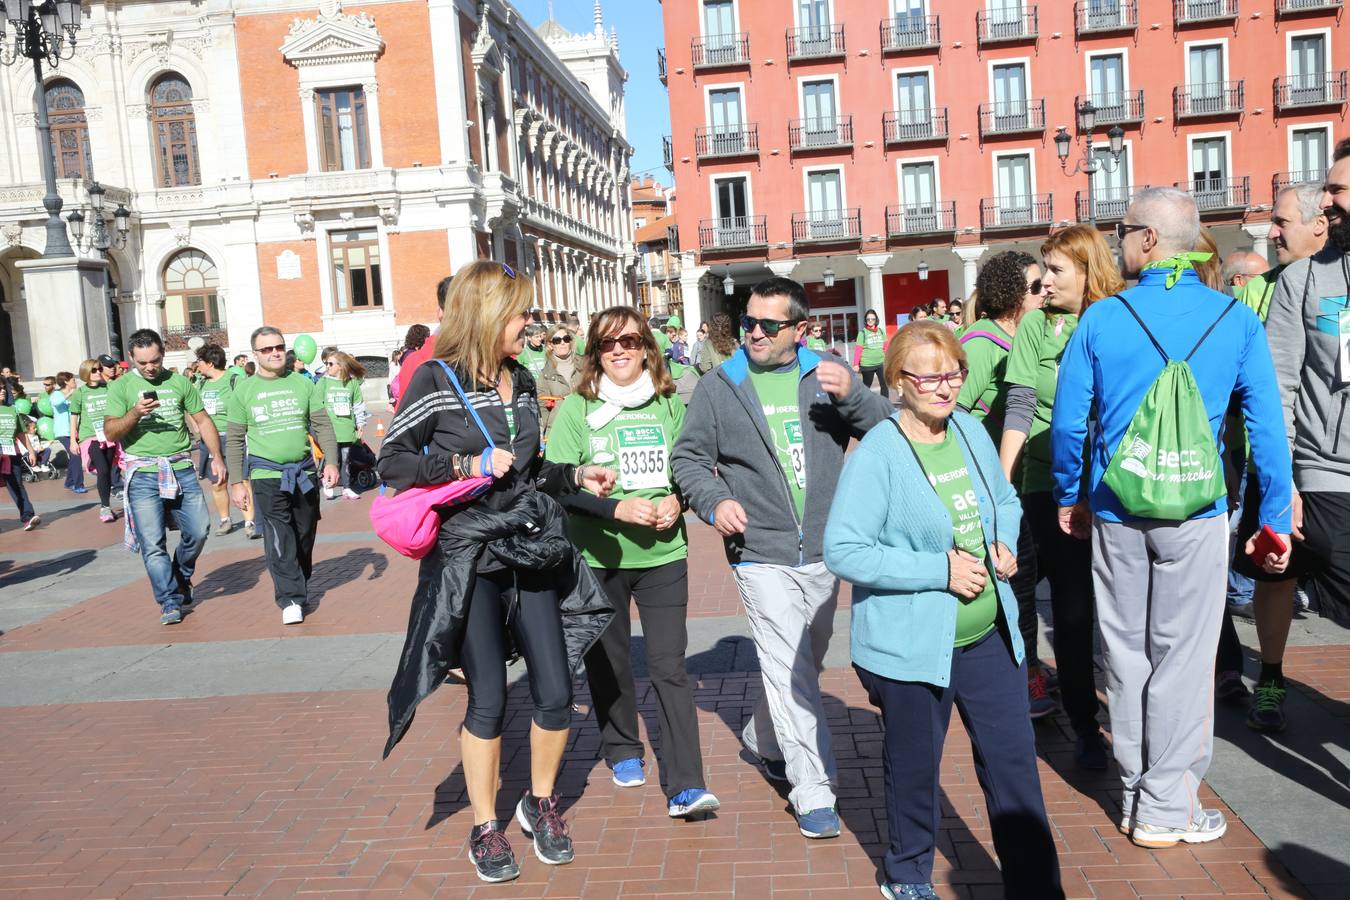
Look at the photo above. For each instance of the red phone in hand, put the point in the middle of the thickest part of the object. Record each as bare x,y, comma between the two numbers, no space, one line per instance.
1267,542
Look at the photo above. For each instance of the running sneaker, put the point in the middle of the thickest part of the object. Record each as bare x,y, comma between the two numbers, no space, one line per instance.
1242,610
1267,710
1090,752
172,615
1229,688
349,494
1209,827
250,531
774,769
897,891
541,821
1038,694
491,852
224,528
32,523
819,823
79,489
293,614
105,514
628,773
329,494
691,801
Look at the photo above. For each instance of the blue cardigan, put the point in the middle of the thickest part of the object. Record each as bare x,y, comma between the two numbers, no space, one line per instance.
889,533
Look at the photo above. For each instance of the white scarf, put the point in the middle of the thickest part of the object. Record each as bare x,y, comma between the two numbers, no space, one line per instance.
617,398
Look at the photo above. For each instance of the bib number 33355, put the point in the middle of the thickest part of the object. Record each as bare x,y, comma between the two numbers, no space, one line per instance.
643,458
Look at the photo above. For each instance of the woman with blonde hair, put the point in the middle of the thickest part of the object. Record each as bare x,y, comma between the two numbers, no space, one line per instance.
92,449
501,560
1209,269
342,397
1079,269
560,374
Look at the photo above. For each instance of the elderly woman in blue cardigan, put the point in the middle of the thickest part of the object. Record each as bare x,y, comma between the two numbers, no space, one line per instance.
922,523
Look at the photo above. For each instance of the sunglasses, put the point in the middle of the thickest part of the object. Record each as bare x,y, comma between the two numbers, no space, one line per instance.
275,348
770,327
1035,287
626,341
1123,229
565,339
508,271
927,384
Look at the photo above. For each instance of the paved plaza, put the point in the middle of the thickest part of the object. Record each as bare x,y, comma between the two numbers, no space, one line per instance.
230,755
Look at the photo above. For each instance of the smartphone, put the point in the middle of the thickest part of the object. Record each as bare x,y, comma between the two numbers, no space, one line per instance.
1267,542
150,395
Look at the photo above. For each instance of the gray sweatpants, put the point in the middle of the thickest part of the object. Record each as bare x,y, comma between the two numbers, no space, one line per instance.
1160,593
791,613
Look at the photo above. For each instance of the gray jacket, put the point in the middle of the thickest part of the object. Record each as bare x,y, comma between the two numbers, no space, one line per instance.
725,452
1303,331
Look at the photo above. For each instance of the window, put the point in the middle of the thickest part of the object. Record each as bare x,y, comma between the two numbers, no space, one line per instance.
1307,68
1209,172
813,19
918,188
1308,161
726,118
1107,88
174,130
70,130
914,104
719,32
1015,202
1010,97
733,211
344,141
191,285
356,271
1111,189
825,204
1204,77
821,125
910,26
1005,18
1102,14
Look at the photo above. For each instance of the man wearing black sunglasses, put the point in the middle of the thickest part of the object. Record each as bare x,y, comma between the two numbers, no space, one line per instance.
758,459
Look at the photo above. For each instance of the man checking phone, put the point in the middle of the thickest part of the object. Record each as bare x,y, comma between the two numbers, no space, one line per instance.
147,414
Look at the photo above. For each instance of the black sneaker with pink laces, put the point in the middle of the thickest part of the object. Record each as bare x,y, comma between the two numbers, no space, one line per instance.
540,819
491,852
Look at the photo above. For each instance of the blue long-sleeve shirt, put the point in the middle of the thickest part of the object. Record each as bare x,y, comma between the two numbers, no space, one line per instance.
1110,363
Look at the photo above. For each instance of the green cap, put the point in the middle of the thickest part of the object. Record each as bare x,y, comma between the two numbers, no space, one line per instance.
673,322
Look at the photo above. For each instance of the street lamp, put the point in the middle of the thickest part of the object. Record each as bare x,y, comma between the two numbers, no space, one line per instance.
100,238
43,31
923,270
827,276
728,284
1090,162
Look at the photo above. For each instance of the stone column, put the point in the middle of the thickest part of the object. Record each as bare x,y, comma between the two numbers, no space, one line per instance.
875,296
970,257
67,311
694,312
1259,232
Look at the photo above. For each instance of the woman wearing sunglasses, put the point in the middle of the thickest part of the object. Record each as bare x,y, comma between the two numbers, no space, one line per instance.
1079,270
921,524
870,351
558,377
501,561
625,415
815,338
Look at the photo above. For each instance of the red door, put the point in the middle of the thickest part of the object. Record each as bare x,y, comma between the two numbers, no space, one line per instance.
905,291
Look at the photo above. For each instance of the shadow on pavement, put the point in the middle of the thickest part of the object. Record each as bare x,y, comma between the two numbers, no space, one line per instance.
11,574
331,574
1326,877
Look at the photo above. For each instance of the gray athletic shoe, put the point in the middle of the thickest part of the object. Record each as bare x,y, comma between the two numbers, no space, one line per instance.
1210,826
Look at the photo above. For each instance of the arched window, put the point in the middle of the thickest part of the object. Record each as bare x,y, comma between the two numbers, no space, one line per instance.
70,130
191,305
174,130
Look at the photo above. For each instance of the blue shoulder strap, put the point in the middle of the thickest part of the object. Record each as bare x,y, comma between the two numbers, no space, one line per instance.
454,380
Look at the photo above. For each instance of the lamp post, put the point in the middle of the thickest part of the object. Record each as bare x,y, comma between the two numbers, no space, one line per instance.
43,31
1090,163
100,238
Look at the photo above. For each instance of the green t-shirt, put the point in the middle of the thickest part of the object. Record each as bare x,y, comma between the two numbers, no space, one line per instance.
662,341
636,443
216,400
817,344
533,360
985,392
276,412
1258,290
9,427
341,401
1034,362
777,392
90,403
945,466
873,344
164,432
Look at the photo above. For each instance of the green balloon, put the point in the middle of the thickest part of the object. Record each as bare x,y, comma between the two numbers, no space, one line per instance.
23,406
305,349
44,406
46,429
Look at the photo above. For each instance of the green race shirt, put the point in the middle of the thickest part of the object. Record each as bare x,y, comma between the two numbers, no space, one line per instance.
533,360
945,466
873,344
777,392
1033,362
1258,290
636,444
985,392
216,400
817,344
90,403
276,412
164,432
9,427
341,400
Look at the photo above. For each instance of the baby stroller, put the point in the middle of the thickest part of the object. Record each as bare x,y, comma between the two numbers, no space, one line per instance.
52,463
361,466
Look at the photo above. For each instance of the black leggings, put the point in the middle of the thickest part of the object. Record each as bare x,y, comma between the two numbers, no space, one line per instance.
101,457
536,626
870,372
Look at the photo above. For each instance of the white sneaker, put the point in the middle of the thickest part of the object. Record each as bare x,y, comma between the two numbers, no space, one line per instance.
292,615
349,494
1210,826
32,523
329,494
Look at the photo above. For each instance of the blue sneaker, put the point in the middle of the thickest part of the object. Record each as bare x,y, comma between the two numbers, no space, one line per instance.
897,891
690,801
628,773
819,823
79,490
172,615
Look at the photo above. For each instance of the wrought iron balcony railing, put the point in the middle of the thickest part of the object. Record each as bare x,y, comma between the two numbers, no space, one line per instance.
711,142
717,50
1192,12
1281,180
1218,98
820,133
668,153
1016,211
997,26
1103,16
661,64
827,226
1114,109
1219,194
1293,7
1110,202
906,126
1318,89
913,219
815,42
733,233
904,33
1012,117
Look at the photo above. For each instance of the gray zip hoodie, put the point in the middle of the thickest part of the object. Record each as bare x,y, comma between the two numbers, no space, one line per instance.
1303,331
725,452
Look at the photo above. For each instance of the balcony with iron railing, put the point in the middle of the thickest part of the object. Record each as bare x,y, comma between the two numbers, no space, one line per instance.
726,141
828,226
661,64
1113,109
1110,202
903,34
1281,180
1001,26
668,153
715,51
1017,211
1319,89
1196,12
1012,117
1219,98
733,233
1219,194
831,133
1295,7
916,219
1105,16
912,126
815,42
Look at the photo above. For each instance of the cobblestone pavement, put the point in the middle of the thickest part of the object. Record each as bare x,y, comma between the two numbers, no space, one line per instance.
231,756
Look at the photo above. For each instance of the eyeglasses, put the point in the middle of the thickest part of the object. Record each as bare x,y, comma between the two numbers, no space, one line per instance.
564,339
770,327
268,351
1035,287
626,341
927,384
1124,228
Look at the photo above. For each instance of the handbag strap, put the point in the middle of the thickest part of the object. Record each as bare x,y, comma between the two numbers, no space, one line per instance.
464,398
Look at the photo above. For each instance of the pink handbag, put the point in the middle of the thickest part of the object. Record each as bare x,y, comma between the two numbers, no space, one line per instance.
409,520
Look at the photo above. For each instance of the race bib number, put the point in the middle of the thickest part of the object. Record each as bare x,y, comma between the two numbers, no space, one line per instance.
796,447
7,447
342,406
1344,337
643,458
211,402
98,433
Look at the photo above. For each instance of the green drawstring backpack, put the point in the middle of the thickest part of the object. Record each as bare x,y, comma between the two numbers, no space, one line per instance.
1167,464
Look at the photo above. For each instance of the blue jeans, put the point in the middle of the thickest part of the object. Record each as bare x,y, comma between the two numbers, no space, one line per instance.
170,577
74,464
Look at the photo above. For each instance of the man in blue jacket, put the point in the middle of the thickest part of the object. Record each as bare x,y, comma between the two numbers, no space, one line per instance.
1160,584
